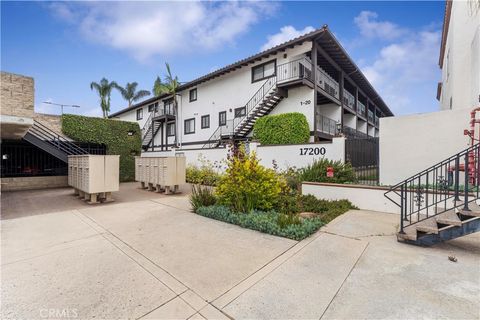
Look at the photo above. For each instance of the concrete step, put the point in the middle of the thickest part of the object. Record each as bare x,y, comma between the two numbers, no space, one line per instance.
473,212
428,226
449,217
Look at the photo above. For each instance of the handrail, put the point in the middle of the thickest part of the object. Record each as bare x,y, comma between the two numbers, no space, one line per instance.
231,126
255,100
438,188
62,143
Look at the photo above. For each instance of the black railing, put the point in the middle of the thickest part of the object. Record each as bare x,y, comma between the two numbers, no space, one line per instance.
362,152
326,125
53,138
231,126
449,184
294,70
353,133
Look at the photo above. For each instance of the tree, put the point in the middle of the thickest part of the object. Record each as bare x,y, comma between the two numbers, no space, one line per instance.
130,93
170,87
104,89
157,87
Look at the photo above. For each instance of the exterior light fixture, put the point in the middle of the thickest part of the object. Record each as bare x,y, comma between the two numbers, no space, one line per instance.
339,127
130,133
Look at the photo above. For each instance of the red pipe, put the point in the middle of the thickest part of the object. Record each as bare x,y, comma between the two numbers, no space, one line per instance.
471,156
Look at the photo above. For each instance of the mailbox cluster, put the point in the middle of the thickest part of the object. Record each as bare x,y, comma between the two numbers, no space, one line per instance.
162,174
94,177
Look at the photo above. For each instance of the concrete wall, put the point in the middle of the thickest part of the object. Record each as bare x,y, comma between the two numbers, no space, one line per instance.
299,155
17,95
31,183
412,143
461,62
363,197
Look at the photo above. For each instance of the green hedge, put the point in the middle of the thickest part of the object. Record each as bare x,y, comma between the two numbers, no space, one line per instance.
286,128
112,133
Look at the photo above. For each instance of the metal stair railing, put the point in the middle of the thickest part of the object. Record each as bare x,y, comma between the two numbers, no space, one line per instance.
147,126
231,126
449,184
54,139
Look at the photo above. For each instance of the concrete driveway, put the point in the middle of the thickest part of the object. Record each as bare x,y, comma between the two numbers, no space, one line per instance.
153,259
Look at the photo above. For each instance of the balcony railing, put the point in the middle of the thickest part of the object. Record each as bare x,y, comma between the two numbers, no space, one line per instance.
327,83
165,111
361,108
326,125
370,117
349,99
353,133
294,70
377,121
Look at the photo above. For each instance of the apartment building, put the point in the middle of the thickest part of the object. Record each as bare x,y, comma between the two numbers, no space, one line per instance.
460,56
311,74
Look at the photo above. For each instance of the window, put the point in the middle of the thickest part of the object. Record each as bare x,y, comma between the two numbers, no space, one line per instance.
205,121
140,114
153,106
263,71
170,129
222,118
168,104
240,112
193,95
189,126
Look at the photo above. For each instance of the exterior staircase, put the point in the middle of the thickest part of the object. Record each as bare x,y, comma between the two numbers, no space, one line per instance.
260,104
149,130
442,202
49,141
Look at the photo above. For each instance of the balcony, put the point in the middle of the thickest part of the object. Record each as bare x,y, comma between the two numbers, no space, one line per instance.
361,109
167,111
327,83
326,125
370,117
348,99
294,70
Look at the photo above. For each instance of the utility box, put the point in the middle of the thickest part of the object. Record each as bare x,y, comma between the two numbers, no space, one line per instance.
94,176
160,173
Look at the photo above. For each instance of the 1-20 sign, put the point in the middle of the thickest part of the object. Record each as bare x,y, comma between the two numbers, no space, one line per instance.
312,151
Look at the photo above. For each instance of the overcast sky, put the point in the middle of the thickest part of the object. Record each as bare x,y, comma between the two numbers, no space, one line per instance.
66,45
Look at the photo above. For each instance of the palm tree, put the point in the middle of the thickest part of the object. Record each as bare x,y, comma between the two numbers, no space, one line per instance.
157,87
104,89
170,87
130,93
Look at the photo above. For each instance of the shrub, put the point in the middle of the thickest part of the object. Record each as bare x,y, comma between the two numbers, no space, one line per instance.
286,128
327,209
267,222
201,197
317,172
247,185
202,175
113,133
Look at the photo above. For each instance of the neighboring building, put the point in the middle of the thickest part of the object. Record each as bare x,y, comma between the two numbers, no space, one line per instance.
34,153
311,74
460,56
418,141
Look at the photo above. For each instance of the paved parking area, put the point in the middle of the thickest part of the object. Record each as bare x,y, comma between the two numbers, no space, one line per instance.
147,256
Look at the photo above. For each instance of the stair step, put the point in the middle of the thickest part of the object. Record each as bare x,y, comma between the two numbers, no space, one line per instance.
428,226
449,217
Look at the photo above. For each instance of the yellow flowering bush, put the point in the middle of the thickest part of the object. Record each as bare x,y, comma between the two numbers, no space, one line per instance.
247,185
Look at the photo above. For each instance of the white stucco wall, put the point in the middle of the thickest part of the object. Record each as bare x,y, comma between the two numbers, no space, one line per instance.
297,101
363,197
300,155
461,66
409,144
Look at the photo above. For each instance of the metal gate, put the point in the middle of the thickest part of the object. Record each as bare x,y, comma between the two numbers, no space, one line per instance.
362,154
